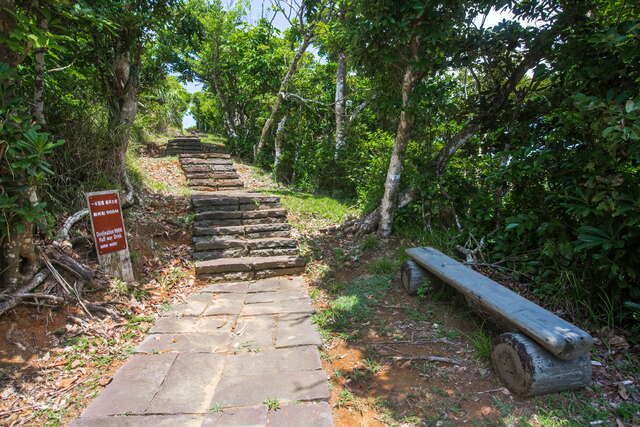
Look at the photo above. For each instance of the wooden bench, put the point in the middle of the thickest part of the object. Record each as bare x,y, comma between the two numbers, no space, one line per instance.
541,353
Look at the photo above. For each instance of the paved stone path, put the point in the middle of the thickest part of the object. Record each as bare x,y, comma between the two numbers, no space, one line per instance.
216,359
229,353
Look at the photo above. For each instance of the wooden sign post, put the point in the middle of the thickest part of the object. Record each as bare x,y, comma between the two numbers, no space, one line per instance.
109,234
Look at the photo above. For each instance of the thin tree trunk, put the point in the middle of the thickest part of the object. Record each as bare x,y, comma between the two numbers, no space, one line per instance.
392,183
279,139
284,85
341,78
124,105
39,68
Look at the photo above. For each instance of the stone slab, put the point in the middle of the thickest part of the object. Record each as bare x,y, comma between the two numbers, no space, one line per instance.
292,386
133,386
253,333
317,414
233,287
189,384
266,297
182,325
560,337
225,265
277,284
140,420
194,306
185,343
298,305
224,303
217,254
297,329
238,417
273,361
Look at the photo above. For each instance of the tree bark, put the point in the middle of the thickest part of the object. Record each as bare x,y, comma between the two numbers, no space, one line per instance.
392,183
124,101
279,139
284,85
39,69
340,102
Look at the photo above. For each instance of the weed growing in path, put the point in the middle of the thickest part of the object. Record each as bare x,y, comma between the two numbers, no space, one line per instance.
272,404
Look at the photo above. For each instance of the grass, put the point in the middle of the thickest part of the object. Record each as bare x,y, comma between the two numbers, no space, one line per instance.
272,404
482,343
311,212
352,309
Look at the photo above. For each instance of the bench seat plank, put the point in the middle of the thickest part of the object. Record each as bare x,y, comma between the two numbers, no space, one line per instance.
558,336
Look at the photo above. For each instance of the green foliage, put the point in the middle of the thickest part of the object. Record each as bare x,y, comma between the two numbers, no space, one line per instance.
24,167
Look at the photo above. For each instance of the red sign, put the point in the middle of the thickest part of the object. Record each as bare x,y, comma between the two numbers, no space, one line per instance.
106,221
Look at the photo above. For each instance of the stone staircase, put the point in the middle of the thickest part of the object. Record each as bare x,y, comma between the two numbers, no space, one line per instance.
190,144
237,235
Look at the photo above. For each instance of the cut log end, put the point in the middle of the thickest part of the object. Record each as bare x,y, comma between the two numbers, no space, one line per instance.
412,277
529,370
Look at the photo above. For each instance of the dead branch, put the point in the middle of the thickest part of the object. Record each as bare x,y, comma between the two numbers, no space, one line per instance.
63,234
14,300
453,361
71,290
63,260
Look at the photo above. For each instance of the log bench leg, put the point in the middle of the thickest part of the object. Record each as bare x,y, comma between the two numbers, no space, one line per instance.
527,369
412,276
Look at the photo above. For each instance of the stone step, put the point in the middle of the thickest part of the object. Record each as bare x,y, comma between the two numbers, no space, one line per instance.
196,161
240,252
244,246
212,175
208,168
281,229
249,268
207,156
214,189
216,182
214,148
185,150
234,201
231,218
180,141
194,144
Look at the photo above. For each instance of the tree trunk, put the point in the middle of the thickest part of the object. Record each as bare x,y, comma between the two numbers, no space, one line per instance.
279,139
341,78
124,104
284,85
39,68
392,183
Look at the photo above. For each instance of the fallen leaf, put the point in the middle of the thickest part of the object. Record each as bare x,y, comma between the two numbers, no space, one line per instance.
104,381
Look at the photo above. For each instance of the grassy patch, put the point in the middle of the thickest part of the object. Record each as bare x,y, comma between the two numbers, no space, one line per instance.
350,310
314,211
389,264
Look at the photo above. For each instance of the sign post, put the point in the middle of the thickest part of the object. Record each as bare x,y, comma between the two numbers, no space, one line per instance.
109,234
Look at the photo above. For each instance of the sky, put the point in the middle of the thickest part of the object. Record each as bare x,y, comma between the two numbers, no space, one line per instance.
259,7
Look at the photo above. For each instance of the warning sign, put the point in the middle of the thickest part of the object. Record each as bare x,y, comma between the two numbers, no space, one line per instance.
107,223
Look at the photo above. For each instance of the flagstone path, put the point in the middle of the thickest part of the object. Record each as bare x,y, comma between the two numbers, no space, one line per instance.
241,353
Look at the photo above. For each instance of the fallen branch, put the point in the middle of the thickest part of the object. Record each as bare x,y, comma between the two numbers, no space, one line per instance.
71,290
63,234
430,358
14,300
54,298
416,342
78,269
